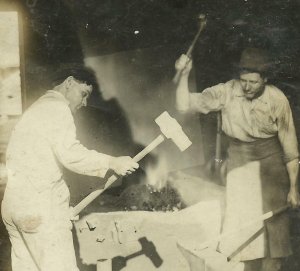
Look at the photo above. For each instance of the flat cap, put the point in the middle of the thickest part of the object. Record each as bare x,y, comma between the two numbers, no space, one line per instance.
255,59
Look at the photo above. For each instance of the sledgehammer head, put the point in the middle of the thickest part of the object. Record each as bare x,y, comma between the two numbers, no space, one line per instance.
170,128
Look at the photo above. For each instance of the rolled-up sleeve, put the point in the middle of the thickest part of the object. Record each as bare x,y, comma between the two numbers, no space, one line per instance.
286,131
72,154
210,99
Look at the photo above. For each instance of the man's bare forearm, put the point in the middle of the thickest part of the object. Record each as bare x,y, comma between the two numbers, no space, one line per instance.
182,94
293,170
184,66
293,197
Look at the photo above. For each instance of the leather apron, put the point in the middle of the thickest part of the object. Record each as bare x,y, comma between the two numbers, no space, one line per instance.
257,182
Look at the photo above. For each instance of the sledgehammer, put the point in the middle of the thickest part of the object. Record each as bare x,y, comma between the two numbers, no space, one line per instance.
202,25
170,129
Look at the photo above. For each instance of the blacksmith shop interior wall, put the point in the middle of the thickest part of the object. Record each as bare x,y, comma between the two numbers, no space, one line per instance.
141,82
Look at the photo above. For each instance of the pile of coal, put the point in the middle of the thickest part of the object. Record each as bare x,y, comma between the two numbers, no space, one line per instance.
144,197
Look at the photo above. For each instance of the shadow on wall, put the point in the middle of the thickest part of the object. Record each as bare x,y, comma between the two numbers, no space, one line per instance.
140,81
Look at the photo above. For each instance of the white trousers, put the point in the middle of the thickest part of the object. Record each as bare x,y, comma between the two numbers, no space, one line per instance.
49,247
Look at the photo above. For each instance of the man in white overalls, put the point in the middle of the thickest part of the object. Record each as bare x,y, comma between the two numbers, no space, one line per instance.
35,207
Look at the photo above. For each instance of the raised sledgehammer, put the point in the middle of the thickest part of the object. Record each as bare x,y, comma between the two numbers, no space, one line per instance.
170,129
202,25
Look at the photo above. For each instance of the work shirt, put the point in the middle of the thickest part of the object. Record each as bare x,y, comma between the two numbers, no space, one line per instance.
248,120
42,143
35,207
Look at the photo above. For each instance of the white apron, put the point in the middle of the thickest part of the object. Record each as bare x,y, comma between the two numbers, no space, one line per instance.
257,182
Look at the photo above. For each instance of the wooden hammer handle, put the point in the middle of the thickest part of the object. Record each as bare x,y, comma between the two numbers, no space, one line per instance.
191,48
189,51
253,236
243,226
149,148
93,195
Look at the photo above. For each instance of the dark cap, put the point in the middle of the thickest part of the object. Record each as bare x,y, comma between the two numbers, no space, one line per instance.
255,59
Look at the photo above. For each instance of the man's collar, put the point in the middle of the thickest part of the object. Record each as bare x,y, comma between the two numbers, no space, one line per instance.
57,95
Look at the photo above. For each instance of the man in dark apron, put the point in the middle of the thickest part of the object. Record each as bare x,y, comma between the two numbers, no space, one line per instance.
262,165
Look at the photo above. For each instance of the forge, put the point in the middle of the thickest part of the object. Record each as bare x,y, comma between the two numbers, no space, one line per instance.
148,226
